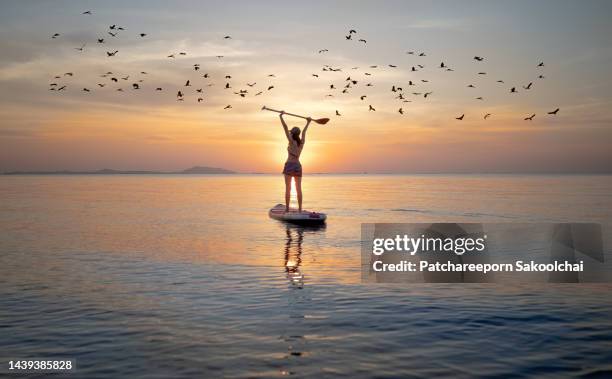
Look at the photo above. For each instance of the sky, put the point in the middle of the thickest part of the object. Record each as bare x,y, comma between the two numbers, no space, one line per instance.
41,129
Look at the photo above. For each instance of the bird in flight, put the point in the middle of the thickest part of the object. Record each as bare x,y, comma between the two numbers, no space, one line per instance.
541,64
112,54
135,86
422,55
352,31
55,35
251,84
460,117
143,34
179,94
392,66
86,90
554,112
187,84
228,107
227,37
270,87
171,56
487,116
80,48
427,94
471,86
200,99
371,108
363,97
100,40
513,90
528,86
86,12
323,51
530,118
112,34
401,111
479,59
362,40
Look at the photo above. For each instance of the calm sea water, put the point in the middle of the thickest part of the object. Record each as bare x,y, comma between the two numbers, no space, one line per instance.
179,276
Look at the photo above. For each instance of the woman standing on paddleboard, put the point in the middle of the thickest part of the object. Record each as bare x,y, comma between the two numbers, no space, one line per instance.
293,167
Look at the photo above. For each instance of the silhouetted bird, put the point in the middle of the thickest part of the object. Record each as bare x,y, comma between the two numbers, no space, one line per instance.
554,112
352,31
200,99
363,97
528,86
401,111
86,12
323,51
251,84
85,90
513,90
143,34
158,89
338,113
100,40
227,37
487,116
371,108
112,54
362,40
80,48
541,64
479,59
460,117
135,86
392,66
471,86
479,98
227,107
55,35
530,117
427,94
269,88
179,94
187,84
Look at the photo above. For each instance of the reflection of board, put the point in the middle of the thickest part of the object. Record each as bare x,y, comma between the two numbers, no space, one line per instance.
295,217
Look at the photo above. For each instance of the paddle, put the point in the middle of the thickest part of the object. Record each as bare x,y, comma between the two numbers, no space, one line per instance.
321,121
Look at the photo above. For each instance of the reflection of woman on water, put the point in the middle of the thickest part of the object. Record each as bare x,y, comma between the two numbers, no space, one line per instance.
293,256
293,167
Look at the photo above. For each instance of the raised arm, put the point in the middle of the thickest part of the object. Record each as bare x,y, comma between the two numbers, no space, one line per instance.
284,125
305,129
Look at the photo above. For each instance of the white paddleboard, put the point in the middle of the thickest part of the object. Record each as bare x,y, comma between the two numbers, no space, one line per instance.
295,217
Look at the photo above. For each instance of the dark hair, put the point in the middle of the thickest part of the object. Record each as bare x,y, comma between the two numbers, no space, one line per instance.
295,134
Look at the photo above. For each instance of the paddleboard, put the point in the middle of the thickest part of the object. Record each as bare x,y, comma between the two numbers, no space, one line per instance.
293,216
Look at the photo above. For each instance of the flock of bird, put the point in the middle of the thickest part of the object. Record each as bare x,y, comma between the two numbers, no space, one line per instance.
350,84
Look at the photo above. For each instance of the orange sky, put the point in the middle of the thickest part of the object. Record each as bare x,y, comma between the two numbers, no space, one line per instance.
147,129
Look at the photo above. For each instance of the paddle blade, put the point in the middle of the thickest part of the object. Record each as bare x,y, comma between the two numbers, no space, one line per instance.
322,121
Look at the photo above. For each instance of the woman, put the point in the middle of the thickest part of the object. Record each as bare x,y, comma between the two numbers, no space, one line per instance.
293,167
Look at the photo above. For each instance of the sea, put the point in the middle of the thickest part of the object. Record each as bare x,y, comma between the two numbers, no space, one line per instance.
177,276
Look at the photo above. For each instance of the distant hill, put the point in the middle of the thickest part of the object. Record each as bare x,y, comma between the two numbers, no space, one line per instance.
107,171
206,170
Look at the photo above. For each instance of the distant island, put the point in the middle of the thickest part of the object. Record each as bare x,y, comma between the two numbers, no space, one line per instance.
108,171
